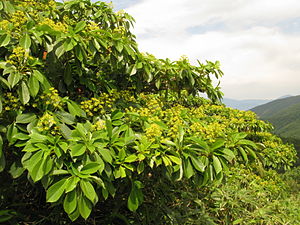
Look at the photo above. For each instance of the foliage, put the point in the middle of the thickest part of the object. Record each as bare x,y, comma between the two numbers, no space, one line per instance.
90,123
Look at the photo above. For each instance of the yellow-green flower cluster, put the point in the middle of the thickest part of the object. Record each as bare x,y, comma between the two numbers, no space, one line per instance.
153,131
11,102
98,106
92,26
18,18
209,131
47,123
4,25
52,98
99,125
18,56
57,26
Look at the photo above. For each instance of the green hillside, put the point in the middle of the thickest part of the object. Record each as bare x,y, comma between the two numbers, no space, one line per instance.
284,114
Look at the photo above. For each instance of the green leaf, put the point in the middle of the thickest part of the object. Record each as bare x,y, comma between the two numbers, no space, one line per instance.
75,110
25,41
130,158
70,202
116,115
40,77
90,168
106,154
175,159
198,165
37,172
217,164
69,44
13,79
16,170
228,154
21,136
80,26
2,159
4,40
56,191
219,143
74,215
77,149
60,51
135,197
88,190
188,169
1,107
24,93
68,77
71,183
25,118
33,85
243,153
85,207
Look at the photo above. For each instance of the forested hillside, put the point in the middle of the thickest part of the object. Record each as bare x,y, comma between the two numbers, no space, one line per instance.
284,114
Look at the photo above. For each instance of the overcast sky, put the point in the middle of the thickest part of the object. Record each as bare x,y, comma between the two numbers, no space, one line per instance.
256,41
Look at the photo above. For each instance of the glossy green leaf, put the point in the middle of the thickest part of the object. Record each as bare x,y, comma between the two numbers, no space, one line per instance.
75,110
70,202
106,154
25,118
25,41
88,190
79,26
33,85
84,206
56,191
77,149
188,169
217,164
71,183
24,93
13,79
4,40
197,163
90,168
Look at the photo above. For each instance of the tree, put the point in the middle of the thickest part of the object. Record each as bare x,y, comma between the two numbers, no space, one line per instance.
88,118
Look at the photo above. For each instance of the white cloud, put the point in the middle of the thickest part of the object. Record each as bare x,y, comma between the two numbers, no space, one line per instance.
259,59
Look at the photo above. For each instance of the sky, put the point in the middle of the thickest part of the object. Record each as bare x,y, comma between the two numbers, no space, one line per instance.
257,41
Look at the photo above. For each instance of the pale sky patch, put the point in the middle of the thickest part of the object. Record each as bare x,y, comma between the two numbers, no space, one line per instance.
257,41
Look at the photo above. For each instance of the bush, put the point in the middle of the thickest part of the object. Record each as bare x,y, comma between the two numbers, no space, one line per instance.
91,126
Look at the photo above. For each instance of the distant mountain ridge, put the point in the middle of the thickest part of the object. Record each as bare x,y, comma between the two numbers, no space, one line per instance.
244,104
284,114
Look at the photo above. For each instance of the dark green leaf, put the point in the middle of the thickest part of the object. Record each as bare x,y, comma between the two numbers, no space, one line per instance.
16,170
70,202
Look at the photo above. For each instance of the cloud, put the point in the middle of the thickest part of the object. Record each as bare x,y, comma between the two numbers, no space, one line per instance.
256,41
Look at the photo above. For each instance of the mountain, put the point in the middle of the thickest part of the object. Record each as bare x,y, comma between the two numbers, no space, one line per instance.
244,104
284,114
